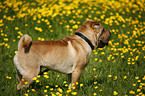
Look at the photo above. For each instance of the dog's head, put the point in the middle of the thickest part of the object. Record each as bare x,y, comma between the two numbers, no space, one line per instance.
100,35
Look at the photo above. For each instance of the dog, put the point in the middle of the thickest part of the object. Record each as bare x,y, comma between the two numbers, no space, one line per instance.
68,55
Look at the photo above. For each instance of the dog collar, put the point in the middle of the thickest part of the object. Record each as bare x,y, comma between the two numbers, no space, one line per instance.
86,39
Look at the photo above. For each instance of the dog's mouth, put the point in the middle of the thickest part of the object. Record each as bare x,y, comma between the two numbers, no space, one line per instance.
102,44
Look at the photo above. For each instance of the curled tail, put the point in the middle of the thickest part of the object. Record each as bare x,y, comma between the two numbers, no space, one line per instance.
24,42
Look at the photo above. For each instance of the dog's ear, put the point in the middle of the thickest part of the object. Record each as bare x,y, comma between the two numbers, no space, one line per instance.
95,24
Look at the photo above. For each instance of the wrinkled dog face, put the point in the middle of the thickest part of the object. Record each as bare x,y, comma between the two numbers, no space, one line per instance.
103,35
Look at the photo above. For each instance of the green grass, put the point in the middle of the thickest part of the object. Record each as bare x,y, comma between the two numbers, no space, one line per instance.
117,69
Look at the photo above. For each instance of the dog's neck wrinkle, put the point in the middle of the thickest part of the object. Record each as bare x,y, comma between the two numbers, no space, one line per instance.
91,37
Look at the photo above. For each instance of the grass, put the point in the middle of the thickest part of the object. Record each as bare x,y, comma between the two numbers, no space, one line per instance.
117,69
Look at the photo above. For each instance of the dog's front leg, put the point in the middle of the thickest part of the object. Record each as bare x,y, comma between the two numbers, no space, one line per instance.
69,78
75,77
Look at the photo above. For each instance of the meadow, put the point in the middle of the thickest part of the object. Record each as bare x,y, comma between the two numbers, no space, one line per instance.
117,69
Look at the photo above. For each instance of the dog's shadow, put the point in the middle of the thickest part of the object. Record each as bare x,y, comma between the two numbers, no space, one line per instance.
99,81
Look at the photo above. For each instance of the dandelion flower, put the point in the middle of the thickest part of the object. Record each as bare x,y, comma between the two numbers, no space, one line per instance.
45,91
125,77
136,77
109,75
60,90
26,83
74,93
94,94
134,84
56,86
34,78
132,92
33,90
115,93
47,86
94,69
81,85
37,81
26,94
96,87
95,82
115,77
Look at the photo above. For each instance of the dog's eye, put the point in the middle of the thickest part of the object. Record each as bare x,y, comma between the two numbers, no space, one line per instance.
96,24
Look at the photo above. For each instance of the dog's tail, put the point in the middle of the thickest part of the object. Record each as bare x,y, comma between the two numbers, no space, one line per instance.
24,42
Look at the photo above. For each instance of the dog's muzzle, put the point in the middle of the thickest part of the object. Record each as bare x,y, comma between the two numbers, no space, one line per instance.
101,44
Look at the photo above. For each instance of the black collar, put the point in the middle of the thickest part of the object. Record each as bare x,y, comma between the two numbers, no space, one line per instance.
86,39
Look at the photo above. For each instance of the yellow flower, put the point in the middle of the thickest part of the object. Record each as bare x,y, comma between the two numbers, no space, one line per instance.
81,85
16,28
137,77
47,86
2,44
38,76
51,89
45,91
109,75
100,90
14,40
34,78
115,93
5,39
33,90
96,87
102,53
94,94
138,90
46,76
26,94
60,90
57,93
26,82
74,87
2,34
100,60
39,38
95,76
68,91
94,69
138,80
96,59
136,58
115,77
143,78
75,27
125,77
28,90
134,84
56,85
74,93
37,81
95,82
64,82
66,85
132,92
18,37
